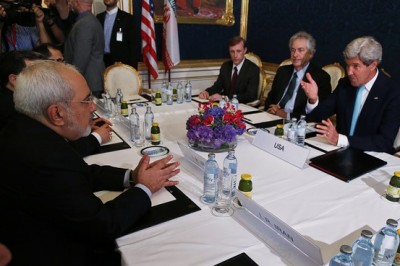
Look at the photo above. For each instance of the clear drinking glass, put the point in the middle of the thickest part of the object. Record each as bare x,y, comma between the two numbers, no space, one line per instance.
140,135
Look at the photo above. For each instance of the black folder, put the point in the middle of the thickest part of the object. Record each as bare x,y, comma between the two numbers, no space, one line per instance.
182,205
346,164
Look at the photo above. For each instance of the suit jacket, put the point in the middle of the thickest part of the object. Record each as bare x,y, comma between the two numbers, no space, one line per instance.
6,105
281,81
84,146
84,49
246,83
379,120
122,51
49,214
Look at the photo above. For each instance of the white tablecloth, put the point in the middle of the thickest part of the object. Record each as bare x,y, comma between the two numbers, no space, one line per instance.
326,210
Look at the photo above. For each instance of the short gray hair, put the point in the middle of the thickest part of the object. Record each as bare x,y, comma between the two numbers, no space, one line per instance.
311,44
40,85
367,48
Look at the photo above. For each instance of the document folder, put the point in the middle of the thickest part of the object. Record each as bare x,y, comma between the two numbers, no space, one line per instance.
346,164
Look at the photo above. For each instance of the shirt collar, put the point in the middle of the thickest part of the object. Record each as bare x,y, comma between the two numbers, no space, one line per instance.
112,11
238,66
370,83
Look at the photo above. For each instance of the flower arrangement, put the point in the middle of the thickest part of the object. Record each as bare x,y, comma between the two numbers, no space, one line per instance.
215,127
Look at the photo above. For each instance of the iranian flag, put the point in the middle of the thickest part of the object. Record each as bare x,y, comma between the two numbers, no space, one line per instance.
171,56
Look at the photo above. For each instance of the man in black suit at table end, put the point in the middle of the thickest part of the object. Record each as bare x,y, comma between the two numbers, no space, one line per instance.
286,99
119,35
237,76
49,214
365,102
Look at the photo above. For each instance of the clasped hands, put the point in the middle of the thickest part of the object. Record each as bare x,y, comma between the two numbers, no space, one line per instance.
157,174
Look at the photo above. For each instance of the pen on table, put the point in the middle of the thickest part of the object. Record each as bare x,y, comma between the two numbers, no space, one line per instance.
134,100
246,119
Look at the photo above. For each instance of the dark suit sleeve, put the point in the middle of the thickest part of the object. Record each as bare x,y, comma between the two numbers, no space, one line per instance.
86,145
220,84
277,88
247,88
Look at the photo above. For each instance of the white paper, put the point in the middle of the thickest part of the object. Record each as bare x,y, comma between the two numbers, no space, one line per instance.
160,197
321,143
261,117
114,139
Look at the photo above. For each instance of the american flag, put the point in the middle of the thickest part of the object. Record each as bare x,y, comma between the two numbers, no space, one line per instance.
171,55
149,50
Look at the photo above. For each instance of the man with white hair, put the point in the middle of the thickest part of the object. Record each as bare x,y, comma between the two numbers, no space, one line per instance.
50,215
365,102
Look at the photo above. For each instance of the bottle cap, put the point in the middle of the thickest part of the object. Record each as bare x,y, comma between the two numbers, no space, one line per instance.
366,233
124,101
392,222
397,173
279,126
346,249
246,176
155,124
398,231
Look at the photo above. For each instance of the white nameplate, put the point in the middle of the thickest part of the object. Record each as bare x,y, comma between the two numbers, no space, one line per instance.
194,161
289,243
281,148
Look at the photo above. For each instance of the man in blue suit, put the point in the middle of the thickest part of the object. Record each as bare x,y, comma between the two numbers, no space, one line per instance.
365,102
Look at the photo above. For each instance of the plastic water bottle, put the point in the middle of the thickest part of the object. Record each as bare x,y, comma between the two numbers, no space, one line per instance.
222,102
134,121
108,104
179,93
230,170
292,130
222,206
211,170
385,244
343,258
118,100
188,91
301,131
235,102
169,94
363,250
164,92
148,122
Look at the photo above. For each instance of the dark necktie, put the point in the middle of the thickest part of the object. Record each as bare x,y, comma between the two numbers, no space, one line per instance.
289,93
232,90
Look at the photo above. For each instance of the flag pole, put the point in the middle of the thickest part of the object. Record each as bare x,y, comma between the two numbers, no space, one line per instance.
149,78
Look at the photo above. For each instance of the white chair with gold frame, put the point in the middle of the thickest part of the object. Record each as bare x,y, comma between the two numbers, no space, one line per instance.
286,62
336,72
257,60
122,76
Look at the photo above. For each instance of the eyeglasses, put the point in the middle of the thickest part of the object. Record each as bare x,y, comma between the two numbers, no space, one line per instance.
88,100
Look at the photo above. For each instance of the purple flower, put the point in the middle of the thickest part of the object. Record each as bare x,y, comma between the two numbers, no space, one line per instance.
214,132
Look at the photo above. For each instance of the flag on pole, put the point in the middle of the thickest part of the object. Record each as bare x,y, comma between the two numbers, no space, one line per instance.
149,50
171,56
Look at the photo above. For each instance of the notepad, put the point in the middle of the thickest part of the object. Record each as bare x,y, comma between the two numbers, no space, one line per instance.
346,164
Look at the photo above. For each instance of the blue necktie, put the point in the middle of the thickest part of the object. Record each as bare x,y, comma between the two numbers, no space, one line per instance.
289,93
356,110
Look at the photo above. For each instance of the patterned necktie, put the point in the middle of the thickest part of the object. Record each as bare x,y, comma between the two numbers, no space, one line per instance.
232,90
356,110
289,93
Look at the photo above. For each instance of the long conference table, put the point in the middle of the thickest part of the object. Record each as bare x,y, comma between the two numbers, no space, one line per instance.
323,209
